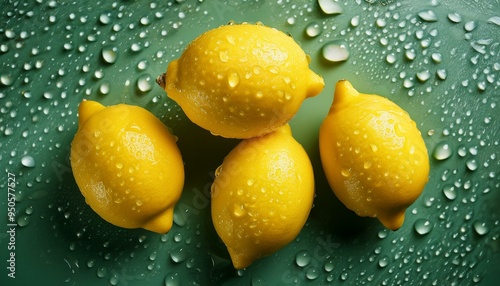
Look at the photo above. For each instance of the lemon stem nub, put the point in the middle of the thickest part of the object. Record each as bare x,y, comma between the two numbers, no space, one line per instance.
160,80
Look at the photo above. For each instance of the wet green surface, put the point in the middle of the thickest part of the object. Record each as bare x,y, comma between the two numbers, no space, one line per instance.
438,60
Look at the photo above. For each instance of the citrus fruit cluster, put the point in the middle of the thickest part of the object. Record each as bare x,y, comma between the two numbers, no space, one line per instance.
247,81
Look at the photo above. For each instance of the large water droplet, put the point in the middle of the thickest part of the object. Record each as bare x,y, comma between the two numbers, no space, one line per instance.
145,83
335,52
303,258
28,161
428,16
494,20
449,192
109,54
383,261
312,273
330,7
442,151
423,226
455,17
173,279
178,255
472,164
480,228
313,29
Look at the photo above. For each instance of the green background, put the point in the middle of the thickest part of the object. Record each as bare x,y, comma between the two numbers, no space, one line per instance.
55,53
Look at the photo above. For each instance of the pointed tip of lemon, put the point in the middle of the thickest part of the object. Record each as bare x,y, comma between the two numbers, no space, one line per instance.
240,259
316,84
162,223
344,90
88,108
392,221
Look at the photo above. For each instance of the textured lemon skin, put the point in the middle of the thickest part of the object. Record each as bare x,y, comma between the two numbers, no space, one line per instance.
373,155
262,196
127,166
241,80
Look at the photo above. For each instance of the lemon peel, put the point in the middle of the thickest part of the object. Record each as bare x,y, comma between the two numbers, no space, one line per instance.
241,80
262,195
127,165
373,155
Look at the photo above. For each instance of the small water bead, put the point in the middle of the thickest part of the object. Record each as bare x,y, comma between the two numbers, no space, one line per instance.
455,17
462,151
330,7
355,21
104,88
472,164
6,79
145,83
104,19
391,58
442,151
312,273
109,54
424,75
480,227
383,261
303,258
383,233
470,26
101,272
494,20
335,52
329,265
441,74
423,226
450,192
428,16
23,220
173,279
410,54
28,161
313,29
178,255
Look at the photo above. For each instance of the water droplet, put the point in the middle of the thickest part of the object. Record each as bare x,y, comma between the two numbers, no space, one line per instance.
223,56
472,164
145,83
410,54
313,29
335,52
455,17
312,273
442,151
330,7
391,58
428,16
178,255
233,79
437,57
383,233
494,20
423,226
303,258
102,271
104,19
441,74
480,228
383,261
173,279
344,276
23,220
104,88
449,192
28,161
470,26
329,266
423,75
109,54
355,21
114,279
6,79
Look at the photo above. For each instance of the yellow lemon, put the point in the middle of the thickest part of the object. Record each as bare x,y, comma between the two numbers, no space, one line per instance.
241,80
262,195
373,155
127,166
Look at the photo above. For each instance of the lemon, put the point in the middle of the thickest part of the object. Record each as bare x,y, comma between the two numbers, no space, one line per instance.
262,196
241,80
373,155
127,166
